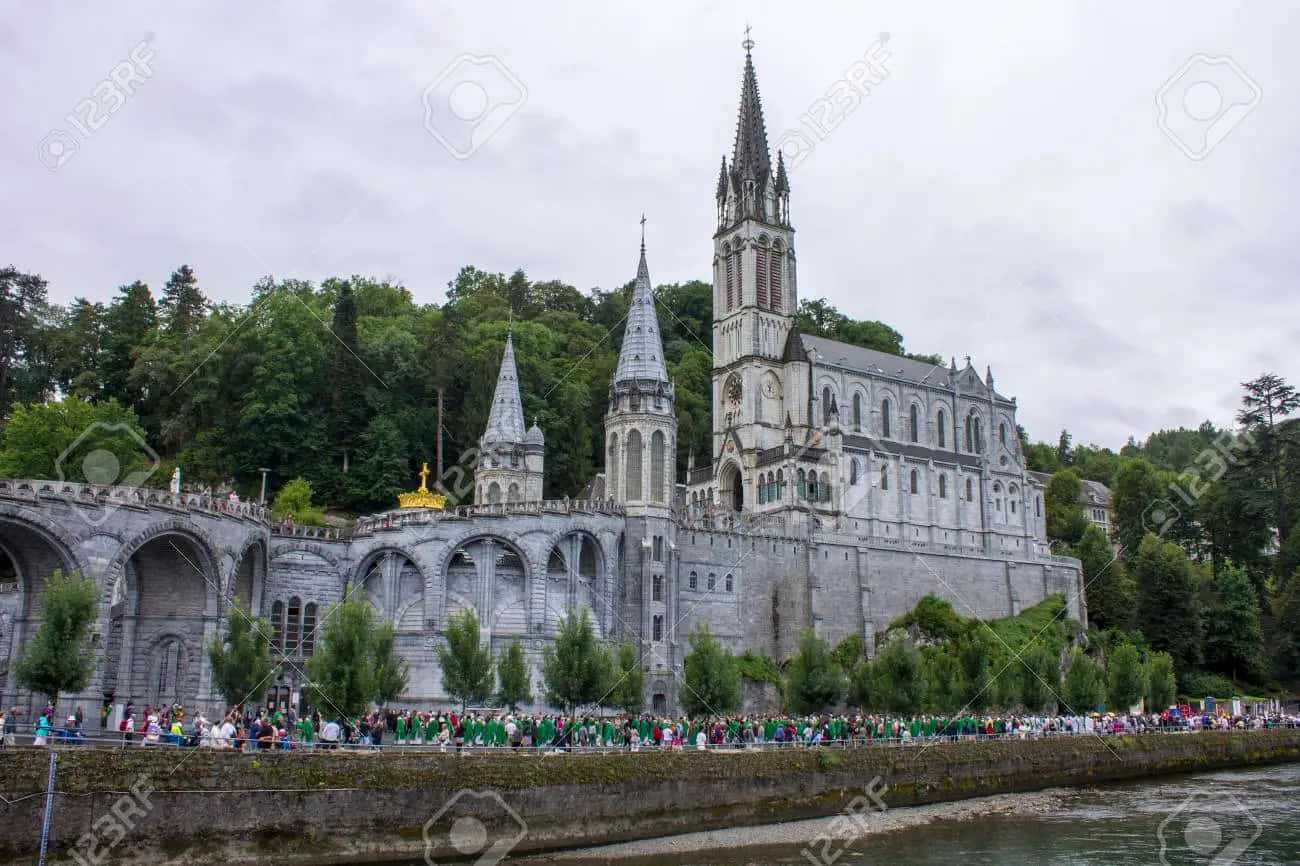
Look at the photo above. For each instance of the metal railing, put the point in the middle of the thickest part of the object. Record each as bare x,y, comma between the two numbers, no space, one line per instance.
32,490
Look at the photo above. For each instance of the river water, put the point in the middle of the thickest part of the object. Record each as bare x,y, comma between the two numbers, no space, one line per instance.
1231,817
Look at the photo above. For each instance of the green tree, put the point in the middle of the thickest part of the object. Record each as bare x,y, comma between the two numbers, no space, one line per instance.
129,324
514,682
466,660
1109,590
974,660
1275,445
383,470
1161,687
814,681
182,306
1139,491
241,658
341,673
1234,638
392,671
1167,613
897,681
711,681
1039,671
628,691
1126,681
22,301
294,501
862,686
60,657
348,414
1063,501
848,652
68,439
576,670
1083,688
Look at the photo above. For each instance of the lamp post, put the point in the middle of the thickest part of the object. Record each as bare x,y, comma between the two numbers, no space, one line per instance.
264,472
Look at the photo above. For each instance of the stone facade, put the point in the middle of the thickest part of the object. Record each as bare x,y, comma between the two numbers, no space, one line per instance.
845,484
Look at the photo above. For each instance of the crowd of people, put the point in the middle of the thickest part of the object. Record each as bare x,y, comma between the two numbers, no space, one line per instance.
450,730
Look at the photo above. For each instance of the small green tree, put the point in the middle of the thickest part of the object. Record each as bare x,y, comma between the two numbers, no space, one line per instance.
629,689
392,671
1083,683
1040,678
974,655
576,669
59,658
814,681
514,682
341,673
848,652
897,681
711,680
1161,687
241,658
1065,518
862,686
1125,678
294,501
466,660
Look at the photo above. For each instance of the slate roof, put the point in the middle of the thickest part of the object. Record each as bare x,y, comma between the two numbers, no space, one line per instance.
506,420
642,355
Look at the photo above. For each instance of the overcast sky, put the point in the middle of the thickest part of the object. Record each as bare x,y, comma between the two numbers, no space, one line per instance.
1008,191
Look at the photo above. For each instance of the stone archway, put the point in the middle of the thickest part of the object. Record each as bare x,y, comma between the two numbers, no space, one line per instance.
490,575
575,579
733,487
393,583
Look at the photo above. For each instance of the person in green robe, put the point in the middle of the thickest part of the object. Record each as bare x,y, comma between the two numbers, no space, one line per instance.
401,730
431,731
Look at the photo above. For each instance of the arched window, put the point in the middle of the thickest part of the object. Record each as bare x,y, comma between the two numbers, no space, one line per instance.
1002,433
512,494
1038,507
778,264
760,272
713,582
943,486
915,482
780,484
826,405
277,625
970,495
802,486
611,468
309,629
884,419
494,493
659,627
941,426
1012,492
884,477
730,585
657,466
731,276
914,420
979,437
657,588
970,435
824,487
857,411
695,580
292,625
853,472
632,462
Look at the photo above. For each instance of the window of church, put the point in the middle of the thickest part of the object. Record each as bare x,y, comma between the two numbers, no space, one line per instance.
857,412
760,272
777,265
914,422
853,472
915,482
970,496
658,628
713,582
1002,433
884,477
826,405
940,426
309,629
657,588
292,624
695,580
884,418
277,625
943,486
633,466
824,487
730,583
657,451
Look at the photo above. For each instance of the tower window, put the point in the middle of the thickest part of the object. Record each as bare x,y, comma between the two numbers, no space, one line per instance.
857,411
914,419
658,626
694,580
730,585
760,273
657,588
884,477
777,264
943,486
713,582
884,418
915,482
940,425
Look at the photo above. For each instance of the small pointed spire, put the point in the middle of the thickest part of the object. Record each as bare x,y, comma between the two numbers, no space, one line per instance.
952,364
641,357
988,376
506,418
722,179
782,182
968,363
750,160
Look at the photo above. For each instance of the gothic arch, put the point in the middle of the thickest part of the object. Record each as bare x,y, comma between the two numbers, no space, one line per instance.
46,548
205,561
389,577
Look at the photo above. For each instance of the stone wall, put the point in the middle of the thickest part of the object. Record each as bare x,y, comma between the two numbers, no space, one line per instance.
364,807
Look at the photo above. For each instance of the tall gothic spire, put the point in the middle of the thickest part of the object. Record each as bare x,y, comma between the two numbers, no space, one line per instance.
750,158
642,355
506,420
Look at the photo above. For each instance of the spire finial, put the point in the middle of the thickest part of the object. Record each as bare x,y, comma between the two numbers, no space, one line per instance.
748,44
643,231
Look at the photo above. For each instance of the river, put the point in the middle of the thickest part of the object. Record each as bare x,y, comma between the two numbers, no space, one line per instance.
1229,817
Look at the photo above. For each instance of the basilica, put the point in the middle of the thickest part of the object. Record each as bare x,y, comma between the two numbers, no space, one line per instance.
843,484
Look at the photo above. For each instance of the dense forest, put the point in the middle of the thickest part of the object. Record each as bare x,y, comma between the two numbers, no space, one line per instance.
338,384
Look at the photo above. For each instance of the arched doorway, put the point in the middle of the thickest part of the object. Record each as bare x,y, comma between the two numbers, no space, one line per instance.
733,488
394,586
29,555
489,576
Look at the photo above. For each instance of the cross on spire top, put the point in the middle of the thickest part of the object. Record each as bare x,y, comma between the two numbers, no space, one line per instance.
748,44
642,231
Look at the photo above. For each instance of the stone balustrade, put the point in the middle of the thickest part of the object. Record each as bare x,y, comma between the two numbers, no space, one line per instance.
32,490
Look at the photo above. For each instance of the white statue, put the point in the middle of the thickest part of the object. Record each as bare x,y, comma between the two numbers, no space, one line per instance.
176,481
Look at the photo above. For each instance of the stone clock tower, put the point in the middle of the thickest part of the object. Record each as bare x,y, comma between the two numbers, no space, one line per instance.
754,302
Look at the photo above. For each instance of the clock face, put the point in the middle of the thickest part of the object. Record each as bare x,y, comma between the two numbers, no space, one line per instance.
769,388
734,391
